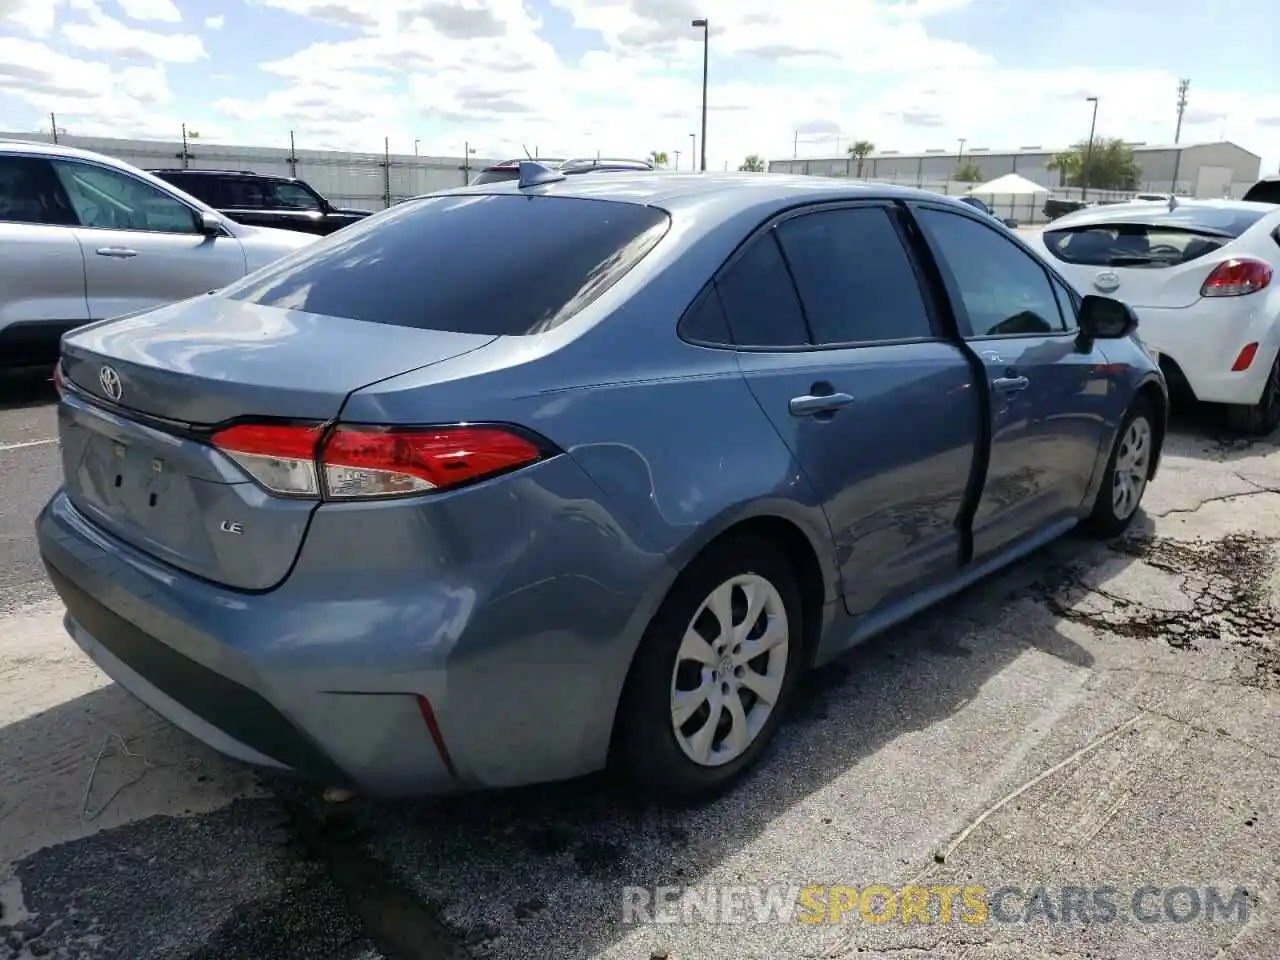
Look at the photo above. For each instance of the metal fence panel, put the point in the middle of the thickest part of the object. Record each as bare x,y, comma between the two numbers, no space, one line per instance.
370,181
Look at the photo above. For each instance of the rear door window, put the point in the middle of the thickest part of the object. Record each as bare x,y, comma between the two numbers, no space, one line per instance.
244,194
760,300
287,195
499,264
200,186
855,279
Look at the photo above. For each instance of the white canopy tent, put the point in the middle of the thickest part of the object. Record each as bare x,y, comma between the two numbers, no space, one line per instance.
1010,185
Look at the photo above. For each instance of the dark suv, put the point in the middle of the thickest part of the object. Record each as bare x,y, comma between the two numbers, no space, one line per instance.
262,201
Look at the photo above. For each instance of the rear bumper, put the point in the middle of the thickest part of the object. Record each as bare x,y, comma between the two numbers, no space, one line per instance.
1205,339
326,675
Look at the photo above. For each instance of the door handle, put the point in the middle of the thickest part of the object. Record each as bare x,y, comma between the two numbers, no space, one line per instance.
812,404
1010,384
120,253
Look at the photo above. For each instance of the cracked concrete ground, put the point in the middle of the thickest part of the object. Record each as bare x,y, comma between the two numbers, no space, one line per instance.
1099,716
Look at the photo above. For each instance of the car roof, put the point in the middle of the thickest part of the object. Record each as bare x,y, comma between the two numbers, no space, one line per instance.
687,190
43,148
1146,211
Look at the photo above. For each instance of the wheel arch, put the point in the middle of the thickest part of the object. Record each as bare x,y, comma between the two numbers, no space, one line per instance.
782,523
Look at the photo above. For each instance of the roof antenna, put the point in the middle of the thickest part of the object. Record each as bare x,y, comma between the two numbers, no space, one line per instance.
533,173
527,154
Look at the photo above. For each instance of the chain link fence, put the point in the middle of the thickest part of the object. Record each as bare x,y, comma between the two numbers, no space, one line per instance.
370,181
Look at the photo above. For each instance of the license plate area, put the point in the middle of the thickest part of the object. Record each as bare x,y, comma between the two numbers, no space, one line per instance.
134,483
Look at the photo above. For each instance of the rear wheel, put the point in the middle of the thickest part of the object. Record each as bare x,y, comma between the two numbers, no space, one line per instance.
1260,418
713,675
1128,470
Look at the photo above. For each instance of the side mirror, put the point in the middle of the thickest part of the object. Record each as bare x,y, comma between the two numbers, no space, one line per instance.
210,224
1102,318
1010,222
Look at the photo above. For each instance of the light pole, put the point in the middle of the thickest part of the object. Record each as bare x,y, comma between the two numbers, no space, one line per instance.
693,149
705,24
415,147
1088,150
959,154
677,153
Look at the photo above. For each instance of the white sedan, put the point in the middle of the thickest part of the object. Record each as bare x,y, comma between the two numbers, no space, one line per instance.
1200,274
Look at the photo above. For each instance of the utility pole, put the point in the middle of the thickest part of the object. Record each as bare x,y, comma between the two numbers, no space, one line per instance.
53,125
705,24
293,157
1088,151
1183,86
795,146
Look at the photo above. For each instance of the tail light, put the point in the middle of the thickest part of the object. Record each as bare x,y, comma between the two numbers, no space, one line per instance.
358,462
1236,278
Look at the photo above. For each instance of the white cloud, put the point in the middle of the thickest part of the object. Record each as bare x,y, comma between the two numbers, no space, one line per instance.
831,71
162,10
106,35
215,23
33,16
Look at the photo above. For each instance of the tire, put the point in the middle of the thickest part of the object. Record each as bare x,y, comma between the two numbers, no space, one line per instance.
1259,419
1128,469
662,762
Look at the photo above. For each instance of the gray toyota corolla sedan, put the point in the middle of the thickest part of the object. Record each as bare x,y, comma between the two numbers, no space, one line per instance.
514,482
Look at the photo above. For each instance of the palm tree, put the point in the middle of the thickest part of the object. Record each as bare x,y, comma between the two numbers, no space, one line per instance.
658,158
1068,164
753,164
860,150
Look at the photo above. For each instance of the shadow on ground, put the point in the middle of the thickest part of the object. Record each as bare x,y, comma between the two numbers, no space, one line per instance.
28,388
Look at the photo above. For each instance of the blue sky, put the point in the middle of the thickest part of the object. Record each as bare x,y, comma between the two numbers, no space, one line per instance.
623,76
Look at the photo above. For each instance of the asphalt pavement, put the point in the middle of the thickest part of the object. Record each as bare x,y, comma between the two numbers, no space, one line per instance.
1101,716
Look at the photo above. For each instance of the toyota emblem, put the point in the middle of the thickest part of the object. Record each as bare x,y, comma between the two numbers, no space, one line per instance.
109,380
1106,281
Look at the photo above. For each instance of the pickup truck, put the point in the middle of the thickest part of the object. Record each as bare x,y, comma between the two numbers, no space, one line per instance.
263,201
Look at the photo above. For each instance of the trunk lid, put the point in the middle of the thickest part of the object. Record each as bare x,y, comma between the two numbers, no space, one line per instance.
211,359
135,451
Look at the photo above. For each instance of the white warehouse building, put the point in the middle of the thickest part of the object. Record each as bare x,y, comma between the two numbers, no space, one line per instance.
1202,169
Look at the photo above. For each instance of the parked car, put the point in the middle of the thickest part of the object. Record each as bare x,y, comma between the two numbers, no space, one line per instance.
1199,273
980,206
84,237
1055,207
509,170
1266,190
417,522
285,203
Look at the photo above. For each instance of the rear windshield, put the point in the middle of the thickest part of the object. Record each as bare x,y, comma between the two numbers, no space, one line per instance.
1180,236
1264,191
503,264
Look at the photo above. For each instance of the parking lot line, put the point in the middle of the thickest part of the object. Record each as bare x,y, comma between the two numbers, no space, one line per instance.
4,447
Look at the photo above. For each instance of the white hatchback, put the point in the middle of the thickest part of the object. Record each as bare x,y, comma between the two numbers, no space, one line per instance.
1200,275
